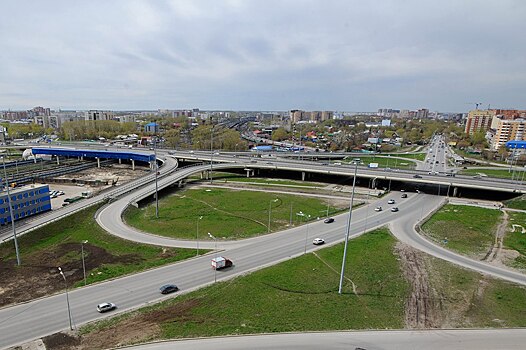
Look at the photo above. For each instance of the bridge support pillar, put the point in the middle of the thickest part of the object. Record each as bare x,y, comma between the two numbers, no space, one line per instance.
302,176
250,172
181,183
455,190
373,183
98,162
133,164
120,161
58,160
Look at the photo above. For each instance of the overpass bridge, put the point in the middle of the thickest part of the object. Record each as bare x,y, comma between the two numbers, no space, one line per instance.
415,178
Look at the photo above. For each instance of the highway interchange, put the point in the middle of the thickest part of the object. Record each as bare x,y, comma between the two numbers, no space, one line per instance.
44,316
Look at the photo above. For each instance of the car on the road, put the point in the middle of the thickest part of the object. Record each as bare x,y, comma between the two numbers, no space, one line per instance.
394,209
328,220
404,195
318,241
378,209
391,201
416,176
105,307
168,288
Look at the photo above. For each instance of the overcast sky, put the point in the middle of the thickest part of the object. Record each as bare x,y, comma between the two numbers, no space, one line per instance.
263,55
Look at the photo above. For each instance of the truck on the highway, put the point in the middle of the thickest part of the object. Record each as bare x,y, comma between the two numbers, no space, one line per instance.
373,165
221,263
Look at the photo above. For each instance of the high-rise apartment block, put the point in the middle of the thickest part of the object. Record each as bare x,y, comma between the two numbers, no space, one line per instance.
508,130
479,120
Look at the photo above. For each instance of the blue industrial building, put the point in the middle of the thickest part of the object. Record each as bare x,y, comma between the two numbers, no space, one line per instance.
25,201
99,154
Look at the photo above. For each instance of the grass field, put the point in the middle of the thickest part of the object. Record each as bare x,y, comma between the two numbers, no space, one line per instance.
386,162
516,239
497,172
301,295
297,295
468,230
467,299
58,244
516,203
227,214
227,177
416,156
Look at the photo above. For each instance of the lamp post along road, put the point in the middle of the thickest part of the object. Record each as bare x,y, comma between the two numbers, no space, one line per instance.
348,230
67,297
215,268
11,214
156,169
197,234
83,261
269,211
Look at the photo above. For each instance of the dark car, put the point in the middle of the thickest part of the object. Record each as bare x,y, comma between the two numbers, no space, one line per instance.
328,220
416,176
169,288
404,195
394,209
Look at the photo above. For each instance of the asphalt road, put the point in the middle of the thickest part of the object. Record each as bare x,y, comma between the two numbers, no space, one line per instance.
44,316
490,339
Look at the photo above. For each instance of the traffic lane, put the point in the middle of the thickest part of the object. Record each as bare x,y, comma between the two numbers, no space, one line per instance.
404,230
511,339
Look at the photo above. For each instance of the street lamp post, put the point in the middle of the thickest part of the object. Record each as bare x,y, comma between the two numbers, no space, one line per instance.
215,269
12,215
156,172
269,211
211,150
348,230
197,234
303,216
67,297
83,261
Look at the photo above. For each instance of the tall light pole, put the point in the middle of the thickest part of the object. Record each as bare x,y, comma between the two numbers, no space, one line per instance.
156,171
83,262
348,230
11,213
269,211
197,234
215,269
67,297
211,148
303,216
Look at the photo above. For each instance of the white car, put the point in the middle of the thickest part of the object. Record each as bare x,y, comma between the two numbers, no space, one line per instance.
104,307
391,201
318,241
378,209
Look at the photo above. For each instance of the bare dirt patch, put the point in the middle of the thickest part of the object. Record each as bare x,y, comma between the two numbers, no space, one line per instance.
420,306
139,327
39,276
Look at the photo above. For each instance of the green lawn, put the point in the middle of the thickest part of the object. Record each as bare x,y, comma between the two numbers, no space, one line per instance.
385,161
516,239
516,203
114,256
301,295
468,230
467,299
497,172
228,214
416,156
226,177
297,295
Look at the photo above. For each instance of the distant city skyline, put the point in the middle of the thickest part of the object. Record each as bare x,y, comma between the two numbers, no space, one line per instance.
341,55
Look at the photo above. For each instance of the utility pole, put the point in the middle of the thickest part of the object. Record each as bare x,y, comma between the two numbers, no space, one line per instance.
348,229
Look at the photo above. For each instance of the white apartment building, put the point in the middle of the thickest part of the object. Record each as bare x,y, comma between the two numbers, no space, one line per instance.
508,130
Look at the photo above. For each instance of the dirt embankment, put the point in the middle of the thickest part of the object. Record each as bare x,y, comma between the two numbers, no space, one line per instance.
420,310
38,276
